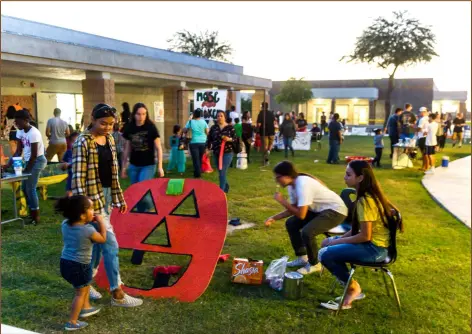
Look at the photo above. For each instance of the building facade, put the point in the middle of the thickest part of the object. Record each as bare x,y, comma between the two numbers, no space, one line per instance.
362,102
44,67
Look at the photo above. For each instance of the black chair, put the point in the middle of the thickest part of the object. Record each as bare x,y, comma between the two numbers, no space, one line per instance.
393,222
347,224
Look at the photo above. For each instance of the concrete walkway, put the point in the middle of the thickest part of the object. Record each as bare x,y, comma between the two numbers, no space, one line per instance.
451,187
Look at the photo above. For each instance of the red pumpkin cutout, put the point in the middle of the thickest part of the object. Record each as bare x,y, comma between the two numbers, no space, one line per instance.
200,236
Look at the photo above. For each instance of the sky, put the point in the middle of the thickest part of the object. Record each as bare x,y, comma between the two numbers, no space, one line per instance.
275,40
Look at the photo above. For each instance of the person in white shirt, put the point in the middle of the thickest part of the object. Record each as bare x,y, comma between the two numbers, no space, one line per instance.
421,130
431,142
233,114
313,209
32,147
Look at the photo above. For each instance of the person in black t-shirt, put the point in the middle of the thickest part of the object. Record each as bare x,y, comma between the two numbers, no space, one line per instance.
335,139
301,123
248,133
323,122
142,138
458,133
265,122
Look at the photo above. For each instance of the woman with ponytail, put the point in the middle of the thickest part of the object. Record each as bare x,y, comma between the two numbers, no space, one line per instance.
369,238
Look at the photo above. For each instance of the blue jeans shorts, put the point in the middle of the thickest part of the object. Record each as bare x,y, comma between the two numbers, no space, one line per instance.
77,274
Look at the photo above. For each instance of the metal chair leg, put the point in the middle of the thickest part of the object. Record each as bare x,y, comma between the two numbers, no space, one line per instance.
397,298
340,305
385,281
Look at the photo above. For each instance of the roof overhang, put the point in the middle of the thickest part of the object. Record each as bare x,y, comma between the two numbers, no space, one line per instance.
370,93
450,95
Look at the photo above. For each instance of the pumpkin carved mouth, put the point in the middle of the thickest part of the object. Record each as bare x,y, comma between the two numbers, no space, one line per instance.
151,270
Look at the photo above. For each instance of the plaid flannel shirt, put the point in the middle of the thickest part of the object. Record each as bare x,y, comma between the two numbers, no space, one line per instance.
85,177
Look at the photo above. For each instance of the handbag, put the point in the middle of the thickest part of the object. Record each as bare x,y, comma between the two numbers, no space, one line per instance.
183,143
189,131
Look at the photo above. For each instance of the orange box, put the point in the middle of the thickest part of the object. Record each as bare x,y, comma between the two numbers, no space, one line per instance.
247,271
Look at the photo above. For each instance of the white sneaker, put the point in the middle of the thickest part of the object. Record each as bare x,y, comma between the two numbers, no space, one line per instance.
299,262
429,171
309,269
127,301
94,294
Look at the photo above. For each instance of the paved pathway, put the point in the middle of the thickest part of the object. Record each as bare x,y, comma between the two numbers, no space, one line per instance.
451,187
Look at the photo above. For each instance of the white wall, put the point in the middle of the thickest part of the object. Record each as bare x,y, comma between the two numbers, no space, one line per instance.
12,86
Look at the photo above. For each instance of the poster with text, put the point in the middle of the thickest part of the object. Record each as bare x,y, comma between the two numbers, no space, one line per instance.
210,101
158,112
302,141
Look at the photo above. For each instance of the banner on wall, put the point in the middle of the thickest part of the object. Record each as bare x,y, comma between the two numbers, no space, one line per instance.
210,101
158,112
302,141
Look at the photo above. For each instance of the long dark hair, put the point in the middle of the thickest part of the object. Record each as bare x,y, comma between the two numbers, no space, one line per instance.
135,110
370,186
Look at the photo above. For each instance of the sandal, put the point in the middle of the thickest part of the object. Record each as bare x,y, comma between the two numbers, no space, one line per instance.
331,305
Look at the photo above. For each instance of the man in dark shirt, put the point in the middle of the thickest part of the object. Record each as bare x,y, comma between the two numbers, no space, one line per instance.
335,139
394,128
458,133
265,123
323,122
407,120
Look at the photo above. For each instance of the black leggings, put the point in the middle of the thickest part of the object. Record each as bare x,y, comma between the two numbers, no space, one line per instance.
303,232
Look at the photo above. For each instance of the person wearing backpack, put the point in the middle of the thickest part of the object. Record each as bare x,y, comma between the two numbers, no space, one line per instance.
199,131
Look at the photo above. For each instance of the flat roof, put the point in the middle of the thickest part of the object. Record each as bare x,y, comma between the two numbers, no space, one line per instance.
346,93
17,26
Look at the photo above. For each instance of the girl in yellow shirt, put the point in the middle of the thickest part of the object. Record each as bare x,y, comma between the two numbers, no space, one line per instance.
369,239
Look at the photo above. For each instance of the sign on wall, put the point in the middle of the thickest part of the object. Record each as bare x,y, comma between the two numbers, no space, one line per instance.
158,112
302,141
210,100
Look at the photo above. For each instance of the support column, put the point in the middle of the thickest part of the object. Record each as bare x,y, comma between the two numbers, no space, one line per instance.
98,87
372,112
175,109
257,99
333,107
238,103
230,99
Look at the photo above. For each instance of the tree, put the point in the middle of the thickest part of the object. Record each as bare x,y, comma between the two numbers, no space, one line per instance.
204,45
402,41
246,104
293,92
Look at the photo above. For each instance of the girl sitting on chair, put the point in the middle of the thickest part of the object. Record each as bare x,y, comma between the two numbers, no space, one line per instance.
369,239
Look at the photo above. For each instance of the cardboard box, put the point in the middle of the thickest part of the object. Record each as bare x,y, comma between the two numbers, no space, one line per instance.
247,271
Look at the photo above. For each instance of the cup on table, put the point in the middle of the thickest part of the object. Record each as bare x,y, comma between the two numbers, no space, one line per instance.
18,165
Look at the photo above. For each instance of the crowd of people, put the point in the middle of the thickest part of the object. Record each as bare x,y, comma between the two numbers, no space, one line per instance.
107,150
429,129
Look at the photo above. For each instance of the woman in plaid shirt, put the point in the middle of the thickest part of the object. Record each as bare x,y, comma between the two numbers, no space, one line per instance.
95,175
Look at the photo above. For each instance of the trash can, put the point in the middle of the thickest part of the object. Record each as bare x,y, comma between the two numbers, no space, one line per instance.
293,285
445,161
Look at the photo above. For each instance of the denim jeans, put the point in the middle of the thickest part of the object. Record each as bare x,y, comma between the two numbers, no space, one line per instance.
227,158
29,185
288,145
110,259
109,249
196,151
141,173
334,258
333,155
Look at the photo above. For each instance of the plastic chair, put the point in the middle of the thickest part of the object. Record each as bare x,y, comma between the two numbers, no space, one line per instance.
347,224
383,266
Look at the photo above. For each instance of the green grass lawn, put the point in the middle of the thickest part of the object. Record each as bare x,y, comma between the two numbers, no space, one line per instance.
432,271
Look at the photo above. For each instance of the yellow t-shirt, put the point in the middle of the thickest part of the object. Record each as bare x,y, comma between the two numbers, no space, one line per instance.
367,211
